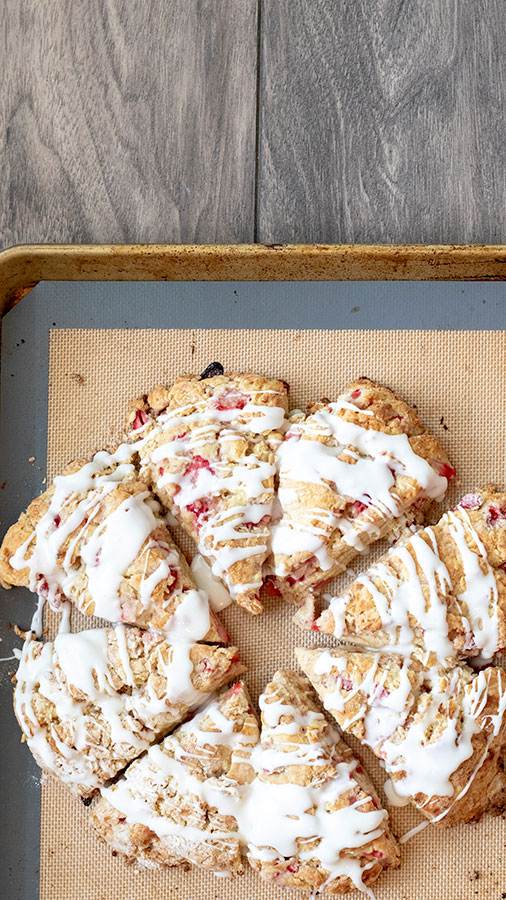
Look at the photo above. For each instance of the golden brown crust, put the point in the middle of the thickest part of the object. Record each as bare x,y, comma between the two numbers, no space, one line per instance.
356,686
347,524
220,427
158,552
117,712
316,758
360,615
187,823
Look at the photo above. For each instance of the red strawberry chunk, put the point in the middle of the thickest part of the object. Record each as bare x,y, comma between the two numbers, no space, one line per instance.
271,589
495,514
356,394
140,419
470,501
293,867
358,507
446,471
57,521
230,398
346,683
376,854
194,466
314,626
199,509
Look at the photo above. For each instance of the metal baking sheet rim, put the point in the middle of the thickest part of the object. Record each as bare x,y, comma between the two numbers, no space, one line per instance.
23,266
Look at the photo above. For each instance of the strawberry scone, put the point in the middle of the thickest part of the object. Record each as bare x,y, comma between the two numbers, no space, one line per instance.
439,595
207,446
347,471
97,537
319,825
88,703
440,733
178,803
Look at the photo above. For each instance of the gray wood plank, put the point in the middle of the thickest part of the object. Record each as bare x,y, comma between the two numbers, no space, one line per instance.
128,120
383,120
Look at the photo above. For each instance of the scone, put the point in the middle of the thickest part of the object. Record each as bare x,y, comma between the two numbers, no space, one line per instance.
177,804
440,595
207,447
319,824
347,471
88,703
97,537
440,733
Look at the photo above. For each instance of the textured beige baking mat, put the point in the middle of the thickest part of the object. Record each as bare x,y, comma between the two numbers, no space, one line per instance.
458,382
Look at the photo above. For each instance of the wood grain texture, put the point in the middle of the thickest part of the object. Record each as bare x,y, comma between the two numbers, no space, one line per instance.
128,120
382,120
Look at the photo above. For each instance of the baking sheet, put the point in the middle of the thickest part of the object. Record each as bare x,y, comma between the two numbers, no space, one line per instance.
75,388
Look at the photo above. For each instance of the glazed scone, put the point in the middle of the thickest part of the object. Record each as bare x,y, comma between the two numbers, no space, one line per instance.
88,703
347,471
442,594
319,824
177,804
207,447
441,733
97,537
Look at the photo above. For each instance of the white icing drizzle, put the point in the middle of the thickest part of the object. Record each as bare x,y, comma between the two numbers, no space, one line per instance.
133,717
108,549
222,537
366,475
423,590
479,599
219,597
290,814
434,742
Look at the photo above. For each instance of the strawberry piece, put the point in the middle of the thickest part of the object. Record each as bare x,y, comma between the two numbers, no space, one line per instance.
199,509
376,854
315,627
161,470
495,514
235,688
293,867
57,521
358,507
141,418
230,398
346,683
470,501
446,471
271,589
194,466
356,394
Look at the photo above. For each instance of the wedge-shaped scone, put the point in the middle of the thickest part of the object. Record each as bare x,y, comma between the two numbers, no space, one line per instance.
88,703
441,594
178,803
318,825
347,472
207,446
97,538
440,732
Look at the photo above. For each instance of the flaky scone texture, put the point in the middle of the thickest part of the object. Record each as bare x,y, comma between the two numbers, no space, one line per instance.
347,471
306,834
98,538
441,732
90,702
207,448
176,804
441,594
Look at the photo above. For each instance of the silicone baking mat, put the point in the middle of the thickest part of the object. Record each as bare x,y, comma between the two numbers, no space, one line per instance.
457,379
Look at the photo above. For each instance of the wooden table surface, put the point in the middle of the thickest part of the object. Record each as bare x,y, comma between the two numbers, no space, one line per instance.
253,120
